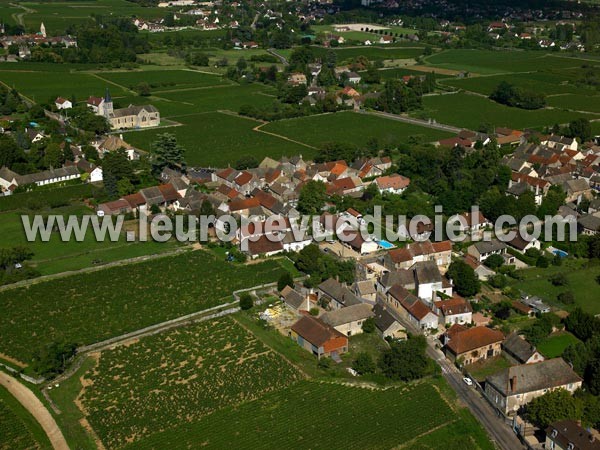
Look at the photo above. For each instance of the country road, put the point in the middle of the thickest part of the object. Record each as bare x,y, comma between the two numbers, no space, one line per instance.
36,408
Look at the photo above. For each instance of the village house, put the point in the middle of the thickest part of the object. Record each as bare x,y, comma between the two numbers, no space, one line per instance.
319,338
454,310
366,290
473,223
404,258
522,244
348,320
469,345
482,250
62,103
514,387
570,435
392,184
297,79
10,180
520,351
294,299
336,295
386,323
412,308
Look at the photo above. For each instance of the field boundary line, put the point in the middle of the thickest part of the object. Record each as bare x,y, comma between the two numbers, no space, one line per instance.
95,74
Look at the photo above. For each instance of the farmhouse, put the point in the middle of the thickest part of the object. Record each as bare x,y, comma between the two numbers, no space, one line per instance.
455,310
62,103
393,184
469,345
348,320
511,388
412,307
294,299
319,338
404,258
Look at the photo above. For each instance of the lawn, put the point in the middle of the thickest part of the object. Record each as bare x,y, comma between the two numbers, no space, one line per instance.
581,276
554,345
495,62
90,307
483,369
178,377
470,111
18,428
350,127
57,256
317,416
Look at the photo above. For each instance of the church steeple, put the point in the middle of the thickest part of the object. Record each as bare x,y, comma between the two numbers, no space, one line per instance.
108,103
43,30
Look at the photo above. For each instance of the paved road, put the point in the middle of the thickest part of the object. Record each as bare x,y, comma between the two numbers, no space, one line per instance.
37,410
413,121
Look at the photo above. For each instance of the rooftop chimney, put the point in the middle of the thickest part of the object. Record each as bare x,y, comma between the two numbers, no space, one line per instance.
513,384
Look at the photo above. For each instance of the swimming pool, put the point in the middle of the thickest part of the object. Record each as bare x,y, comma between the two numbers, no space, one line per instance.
385,244
560,253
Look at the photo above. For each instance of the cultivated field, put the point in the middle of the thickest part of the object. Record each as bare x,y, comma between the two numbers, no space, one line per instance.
219,139
164,80
576,102
18,429
350,127
91,307
316,415
163,382
57,256
496,62
470,111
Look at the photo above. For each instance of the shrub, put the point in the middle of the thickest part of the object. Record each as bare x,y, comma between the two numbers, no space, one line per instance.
542,262
559,279
246,301
368,325
566,298
364,363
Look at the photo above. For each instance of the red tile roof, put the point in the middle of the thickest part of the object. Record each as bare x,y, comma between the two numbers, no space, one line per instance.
474,338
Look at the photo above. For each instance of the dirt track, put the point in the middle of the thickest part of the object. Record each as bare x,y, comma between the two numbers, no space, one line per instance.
37,410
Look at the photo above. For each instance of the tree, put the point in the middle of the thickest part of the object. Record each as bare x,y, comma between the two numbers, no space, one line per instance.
125,187
554,406
580,128
53,359
494,261
246,301
285,279
559,279
397,98
168,153
406,360
566,298
53,156
312,197
364,363
368,325
464,277
10,153
143,89
246,162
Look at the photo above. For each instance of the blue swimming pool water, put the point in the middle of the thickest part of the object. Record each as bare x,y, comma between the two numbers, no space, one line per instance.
560,253
385,244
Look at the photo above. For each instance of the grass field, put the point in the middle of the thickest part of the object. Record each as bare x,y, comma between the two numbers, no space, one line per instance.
57,256
18,428
495,62
350,127
580,275
46,197
317,416
90,307
178,377
554,345
470,111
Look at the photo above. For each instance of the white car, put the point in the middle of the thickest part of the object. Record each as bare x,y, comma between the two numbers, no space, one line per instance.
468,381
